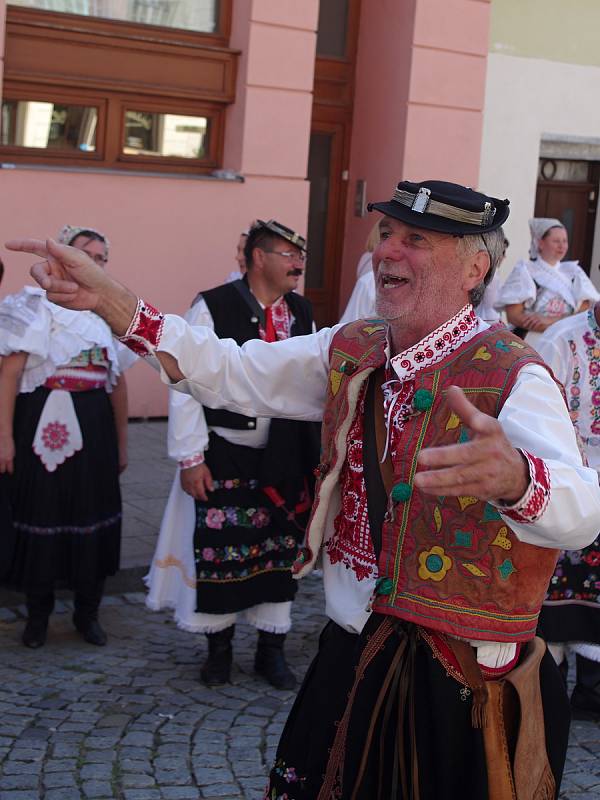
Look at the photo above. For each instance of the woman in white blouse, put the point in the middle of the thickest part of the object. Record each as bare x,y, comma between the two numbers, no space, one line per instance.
543,289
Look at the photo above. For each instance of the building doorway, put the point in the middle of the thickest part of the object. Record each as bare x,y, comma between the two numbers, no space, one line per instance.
568,191
329,153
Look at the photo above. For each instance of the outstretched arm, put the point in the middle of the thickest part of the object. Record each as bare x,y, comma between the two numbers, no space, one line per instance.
281,379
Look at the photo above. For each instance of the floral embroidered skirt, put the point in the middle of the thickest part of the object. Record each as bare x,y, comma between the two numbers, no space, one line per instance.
571,611
245,539
66,524
334,747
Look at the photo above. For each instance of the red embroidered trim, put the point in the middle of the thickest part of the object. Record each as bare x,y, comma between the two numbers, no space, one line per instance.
192,461
145,329
438,344
438,643
282,320
533,503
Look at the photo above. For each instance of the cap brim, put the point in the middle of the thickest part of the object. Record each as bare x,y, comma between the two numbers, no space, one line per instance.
433,222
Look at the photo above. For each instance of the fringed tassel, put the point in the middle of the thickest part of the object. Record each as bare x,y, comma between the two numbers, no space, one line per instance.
546,789
479,709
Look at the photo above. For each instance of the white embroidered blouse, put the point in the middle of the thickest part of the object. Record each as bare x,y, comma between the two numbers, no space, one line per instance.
554,291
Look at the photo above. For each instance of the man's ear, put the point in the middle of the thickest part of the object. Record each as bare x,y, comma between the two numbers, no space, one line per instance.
258,258
478,268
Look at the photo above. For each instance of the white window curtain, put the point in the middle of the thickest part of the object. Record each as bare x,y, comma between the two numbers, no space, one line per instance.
196,15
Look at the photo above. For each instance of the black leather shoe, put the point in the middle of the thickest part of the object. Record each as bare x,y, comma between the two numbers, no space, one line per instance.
216,670
35,632
92,632
270,662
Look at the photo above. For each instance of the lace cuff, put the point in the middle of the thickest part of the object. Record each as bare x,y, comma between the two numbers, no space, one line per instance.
145,329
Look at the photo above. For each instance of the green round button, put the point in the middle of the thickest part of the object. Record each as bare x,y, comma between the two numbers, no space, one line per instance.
401,492
384,586
423,400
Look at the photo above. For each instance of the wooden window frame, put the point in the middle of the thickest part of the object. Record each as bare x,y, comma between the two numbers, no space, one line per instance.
116,66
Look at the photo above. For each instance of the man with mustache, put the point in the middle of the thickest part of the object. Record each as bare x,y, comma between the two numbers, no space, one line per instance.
243,543
449,480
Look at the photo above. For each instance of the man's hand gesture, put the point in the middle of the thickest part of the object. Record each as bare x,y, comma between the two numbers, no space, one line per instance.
487,466
69,276
72,280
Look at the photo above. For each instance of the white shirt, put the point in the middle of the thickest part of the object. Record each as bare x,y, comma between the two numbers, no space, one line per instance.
361,304
571,348
187,433
289,379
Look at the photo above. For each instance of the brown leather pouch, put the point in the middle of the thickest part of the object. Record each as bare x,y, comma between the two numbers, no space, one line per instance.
513,726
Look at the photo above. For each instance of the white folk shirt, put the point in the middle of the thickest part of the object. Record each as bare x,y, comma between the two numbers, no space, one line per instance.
289,379
571,348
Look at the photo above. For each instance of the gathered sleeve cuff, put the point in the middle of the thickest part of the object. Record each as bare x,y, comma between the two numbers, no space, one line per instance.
561,508
518,288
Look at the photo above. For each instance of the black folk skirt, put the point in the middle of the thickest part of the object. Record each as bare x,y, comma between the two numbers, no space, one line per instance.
439,748
66,524
571,611
246,539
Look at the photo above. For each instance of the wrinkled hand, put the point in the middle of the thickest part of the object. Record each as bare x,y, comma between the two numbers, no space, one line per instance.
69,276
487,466
197,482
7,454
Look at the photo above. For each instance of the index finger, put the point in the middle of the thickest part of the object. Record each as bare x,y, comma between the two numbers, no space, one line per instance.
36,247
472,417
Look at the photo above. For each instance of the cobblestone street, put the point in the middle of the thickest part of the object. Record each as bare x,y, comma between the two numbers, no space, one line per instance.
131,720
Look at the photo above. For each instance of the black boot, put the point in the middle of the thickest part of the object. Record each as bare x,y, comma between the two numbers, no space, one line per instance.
87,599
270,661
585,700
35,632
216,670
40,602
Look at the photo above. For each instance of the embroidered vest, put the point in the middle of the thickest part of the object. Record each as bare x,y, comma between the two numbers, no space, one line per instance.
447,563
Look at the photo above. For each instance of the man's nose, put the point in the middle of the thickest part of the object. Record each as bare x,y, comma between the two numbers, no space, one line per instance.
392,248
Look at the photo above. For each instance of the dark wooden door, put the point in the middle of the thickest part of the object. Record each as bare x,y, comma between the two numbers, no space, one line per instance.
574,204
329,153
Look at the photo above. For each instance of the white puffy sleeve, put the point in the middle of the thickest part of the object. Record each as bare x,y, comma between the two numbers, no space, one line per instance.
583,288
187,433
260,379
561,508
518,288
553,346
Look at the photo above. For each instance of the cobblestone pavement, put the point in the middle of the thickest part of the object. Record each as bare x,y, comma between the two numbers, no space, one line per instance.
131,721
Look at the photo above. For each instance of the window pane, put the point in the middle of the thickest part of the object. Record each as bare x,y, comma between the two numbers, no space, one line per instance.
30,123
319,169
331,34
552,169
193,15
172,135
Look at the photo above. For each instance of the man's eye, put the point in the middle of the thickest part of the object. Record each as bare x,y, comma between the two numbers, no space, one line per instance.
384,235
416,237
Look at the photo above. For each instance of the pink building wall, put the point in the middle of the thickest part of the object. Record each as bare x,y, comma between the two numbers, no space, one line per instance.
172,236
418,110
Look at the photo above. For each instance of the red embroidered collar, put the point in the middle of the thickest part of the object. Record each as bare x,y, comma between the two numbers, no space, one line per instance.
436,345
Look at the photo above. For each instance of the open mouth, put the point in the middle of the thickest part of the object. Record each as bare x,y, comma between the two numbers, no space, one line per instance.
392,281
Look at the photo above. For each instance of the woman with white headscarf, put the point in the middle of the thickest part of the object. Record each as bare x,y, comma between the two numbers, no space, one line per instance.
543,289
63,428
